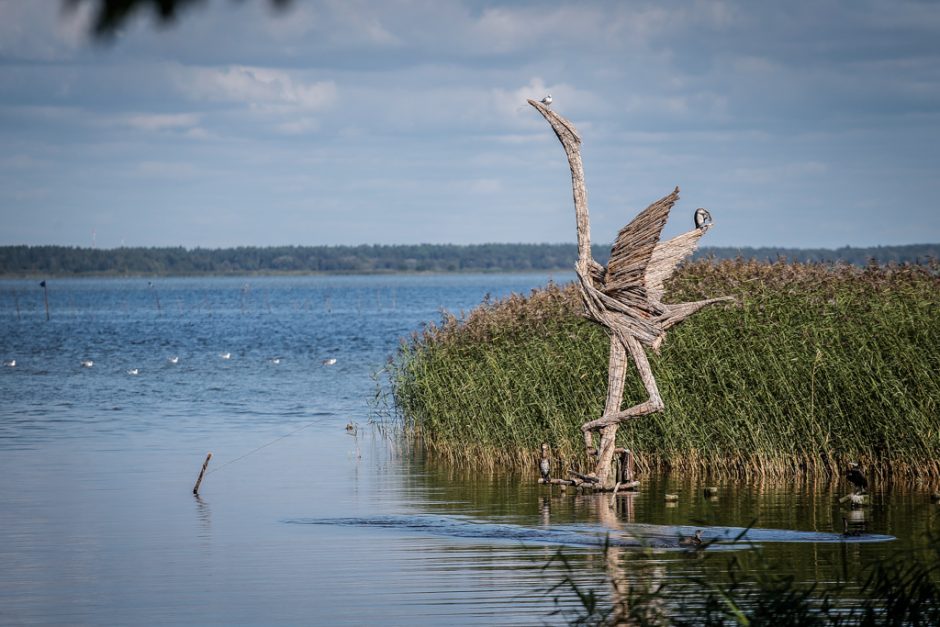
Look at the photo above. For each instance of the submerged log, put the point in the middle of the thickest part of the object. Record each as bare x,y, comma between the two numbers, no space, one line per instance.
622,489
584,478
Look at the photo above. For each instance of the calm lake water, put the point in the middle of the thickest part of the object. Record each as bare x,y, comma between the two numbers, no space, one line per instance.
300,522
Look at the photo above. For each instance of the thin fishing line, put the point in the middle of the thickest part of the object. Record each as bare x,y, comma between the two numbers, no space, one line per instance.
252,452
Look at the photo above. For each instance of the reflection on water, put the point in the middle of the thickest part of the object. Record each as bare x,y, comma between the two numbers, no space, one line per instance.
204,514
98,523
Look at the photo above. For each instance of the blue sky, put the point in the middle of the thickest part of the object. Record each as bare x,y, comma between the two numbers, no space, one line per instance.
805,123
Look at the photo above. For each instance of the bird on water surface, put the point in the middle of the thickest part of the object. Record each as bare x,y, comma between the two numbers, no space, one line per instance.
87,363
695,540
10,363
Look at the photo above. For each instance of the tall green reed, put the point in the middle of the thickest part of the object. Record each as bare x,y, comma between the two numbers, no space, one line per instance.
813,366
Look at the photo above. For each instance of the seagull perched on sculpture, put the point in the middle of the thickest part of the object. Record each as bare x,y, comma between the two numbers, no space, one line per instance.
547,100
626,297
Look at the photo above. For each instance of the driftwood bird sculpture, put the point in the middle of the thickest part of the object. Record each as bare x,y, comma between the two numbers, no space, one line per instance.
626,297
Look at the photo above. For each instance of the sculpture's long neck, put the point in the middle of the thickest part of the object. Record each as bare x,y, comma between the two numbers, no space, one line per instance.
568,136
580,208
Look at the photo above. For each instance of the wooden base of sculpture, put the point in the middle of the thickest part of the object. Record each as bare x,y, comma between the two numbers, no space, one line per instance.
625,477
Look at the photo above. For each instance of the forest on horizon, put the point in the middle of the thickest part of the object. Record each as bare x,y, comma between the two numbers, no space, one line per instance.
24,261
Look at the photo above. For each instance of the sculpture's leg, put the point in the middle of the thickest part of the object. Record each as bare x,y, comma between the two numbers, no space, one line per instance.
616,377
612,417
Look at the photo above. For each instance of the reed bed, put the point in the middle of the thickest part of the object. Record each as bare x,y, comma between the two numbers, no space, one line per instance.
813,366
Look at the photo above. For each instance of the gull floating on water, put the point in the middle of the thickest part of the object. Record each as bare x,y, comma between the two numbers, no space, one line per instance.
226,355
174,359
329,362
10,363
87,363
275,360
133,372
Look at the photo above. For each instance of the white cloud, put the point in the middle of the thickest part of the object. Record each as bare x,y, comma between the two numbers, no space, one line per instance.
173,170
779,173
22,162
507,28
163,122
256,87
40,30
485,186
299,126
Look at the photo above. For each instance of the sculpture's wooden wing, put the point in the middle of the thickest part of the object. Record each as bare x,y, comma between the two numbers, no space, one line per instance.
633,249
666,256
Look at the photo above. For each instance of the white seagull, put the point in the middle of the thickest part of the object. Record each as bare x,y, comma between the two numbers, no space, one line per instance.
133,372
275,360
87,363
226,355
174,359
547,100
329,362
10,363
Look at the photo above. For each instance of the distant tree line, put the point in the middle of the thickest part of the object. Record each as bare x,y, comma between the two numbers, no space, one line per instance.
364,259
913,253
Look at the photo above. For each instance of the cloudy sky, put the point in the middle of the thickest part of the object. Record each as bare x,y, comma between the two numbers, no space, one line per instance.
806,123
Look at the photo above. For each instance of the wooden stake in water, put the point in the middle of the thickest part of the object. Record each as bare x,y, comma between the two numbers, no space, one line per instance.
626,466
156,296
202,472
45,296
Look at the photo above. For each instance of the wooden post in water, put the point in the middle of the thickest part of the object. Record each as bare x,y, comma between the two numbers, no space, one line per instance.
626,466
45,297
202,472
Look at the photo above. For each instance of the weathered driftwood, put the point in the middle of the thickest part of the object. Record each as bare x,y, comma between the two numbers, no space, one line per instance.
625,297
